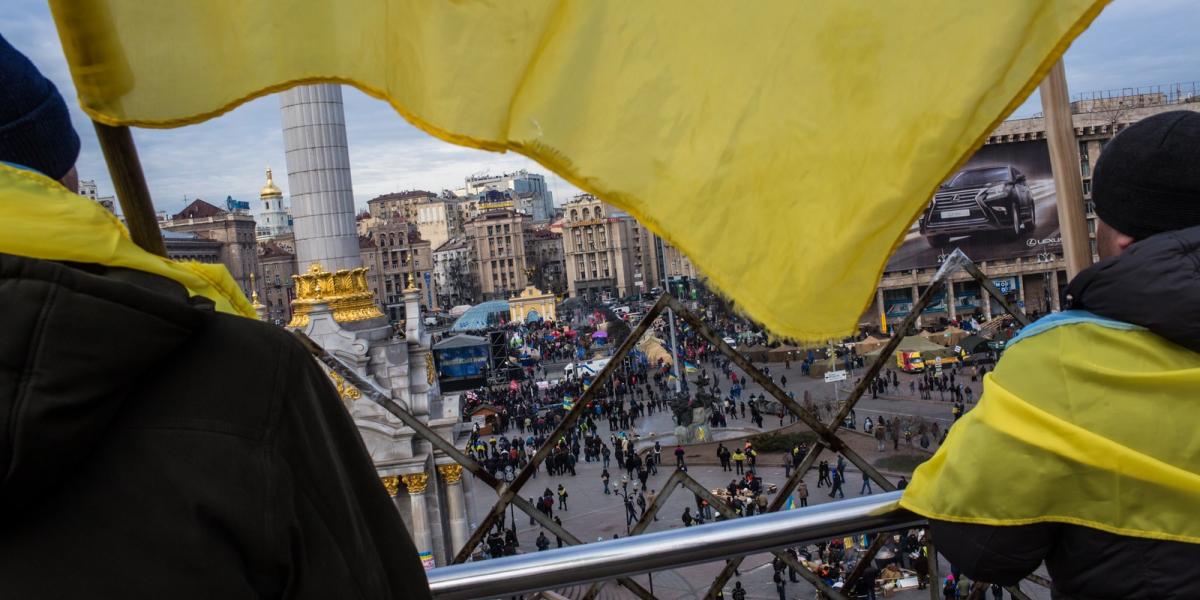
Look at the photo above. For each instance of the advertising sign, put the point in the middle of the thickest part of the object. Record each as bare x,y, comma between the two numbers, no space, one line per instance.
1000,204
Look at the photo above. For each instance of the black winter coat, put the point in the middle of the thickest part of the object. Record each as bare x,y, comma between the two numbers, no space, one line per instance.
1155,283
151,447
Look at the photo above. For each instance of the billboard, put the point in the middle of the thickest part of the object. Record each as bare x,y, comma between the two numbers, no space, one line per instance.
462,362
999,205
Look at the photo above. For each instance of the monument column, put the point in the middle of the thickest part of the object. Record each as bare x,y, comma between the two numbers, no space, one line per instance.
950,299
422,537
318,164
456,505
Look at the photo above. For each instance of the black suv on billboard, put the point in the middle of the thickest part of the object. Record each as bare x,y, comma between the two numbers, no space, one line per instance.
979,199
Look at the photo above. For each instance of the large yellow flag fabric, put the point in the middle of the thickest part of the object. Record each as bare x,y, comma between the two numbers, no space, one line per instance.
784,145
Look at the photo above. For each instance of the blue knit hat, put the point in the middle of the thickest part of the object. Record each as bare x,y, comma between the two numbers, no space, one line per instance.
35,127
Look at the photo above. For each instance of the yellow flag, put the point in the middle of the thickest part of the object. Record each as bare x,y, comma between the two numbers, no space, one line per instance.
1081,442
784,145
42,219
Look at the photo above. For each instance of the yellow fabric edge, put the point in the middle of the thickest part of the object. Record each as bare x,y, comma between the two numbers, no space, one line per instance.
238,304
550,160
1138,533
1081,24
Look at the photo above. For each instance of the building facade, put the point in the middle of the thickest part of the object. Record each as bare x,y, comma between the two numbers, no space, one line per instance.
392,251
276,288
1034,283
236,232
529,193
545,255
498,249
452,276
88,188
608,254
438,219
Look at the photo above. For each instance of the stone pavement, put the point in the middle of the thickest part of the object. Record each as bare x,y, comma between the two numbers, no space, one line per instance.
593,515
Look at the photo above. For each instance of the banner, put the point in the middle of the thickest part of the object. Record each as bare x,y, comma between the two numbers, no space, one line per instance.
1000,204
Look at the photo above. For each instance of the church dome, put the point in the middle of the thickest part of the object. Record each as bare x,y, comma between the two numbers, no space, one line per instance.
270,190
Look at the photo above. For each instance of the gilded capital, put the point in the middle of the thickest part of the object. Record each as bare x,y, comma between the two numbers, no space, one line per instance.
451,474
391,483
416,482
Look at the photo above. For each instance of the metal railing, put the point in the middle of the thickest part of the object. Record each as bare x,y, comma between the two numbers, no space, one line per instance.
650,552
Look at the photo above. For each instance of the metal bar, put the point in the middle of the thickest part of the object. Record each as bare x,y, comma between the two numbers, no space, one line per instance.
1038,579
808,418
568,421
644,521
724,508
877,365
125,169
866,559
935,590
377,395
973,270
667,549
1016,593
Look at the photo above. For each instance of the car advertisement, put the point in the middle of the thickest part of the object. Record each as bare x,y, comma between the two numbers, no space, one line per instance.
1000,204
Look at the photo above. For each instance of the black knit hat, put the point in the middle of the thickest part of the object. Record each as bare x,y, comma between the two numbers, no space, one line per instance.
1148,177
35,127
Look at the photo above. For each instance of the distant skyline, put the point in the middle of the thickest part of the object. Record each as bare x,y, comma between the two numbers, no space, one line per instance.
1133,43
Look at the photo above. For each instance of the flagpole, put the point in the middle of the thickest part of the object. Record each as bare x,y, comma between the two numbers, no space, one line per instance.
125,169
1064,163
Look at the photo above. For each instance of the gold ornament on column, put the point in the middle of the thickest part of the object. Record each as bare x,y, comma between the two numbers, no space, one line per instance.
452,474
346,291
416,482
391,483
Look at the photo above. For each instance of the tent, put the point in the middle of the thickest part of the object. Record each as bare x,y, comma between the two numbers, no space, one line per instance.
870,344
914,343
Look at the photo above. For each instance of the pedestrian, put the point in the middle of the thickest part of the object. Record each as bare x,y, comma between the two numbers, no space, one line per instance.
836,485
739,459
679,452
739,592
780,586
688,519
802,493
604,479
879,435
866,485
787,465
543,542
558,540
562,497
903,483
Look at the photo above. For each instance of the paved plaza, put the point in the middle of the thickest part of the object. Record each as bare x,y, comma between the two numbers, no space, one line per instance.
593,515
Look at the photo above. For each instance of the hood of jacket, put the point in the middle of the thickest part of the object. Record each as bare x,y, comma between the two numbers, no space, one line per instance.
76,339
1154,283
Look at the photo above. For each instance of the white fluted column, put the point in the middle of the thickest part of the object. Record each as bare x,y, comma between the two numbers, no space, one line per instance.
950,302
456,505
422,537
318,164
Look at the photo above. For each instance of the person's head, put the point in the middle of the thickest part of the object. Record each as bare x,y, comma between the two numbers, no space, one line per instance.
1147,181
35,127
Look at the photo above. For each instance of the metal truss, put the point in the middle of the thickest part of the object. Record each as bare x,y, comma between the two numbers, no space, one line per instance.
826,433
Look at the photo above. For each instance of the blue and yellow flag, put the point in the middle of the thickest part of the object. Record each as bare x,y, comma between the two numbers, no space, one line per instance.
784,145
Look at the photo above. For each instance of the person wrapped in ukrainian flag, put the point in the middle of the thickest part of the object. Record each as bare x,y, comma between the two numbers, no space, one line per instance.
1082,452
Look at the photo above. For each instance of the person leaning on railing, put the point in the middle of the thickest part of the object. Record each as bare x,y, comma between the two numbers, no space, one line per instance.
1082,451
151,444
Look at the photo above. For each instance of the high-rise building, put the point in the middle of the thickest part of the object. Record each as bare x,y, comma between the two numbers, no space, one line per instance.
274,219
529,193
607,252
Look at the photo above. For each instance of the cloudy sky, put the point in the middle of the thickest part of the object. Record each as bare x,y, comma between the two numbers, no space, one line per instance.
1133,43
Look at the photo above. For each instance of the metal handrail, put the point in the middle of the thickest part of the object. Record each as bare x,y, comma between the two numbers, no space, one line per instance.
609,559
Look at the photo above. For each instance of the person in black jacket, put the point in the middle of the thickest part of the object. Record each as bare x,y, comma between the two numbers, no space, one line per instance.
153,447
1147,195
